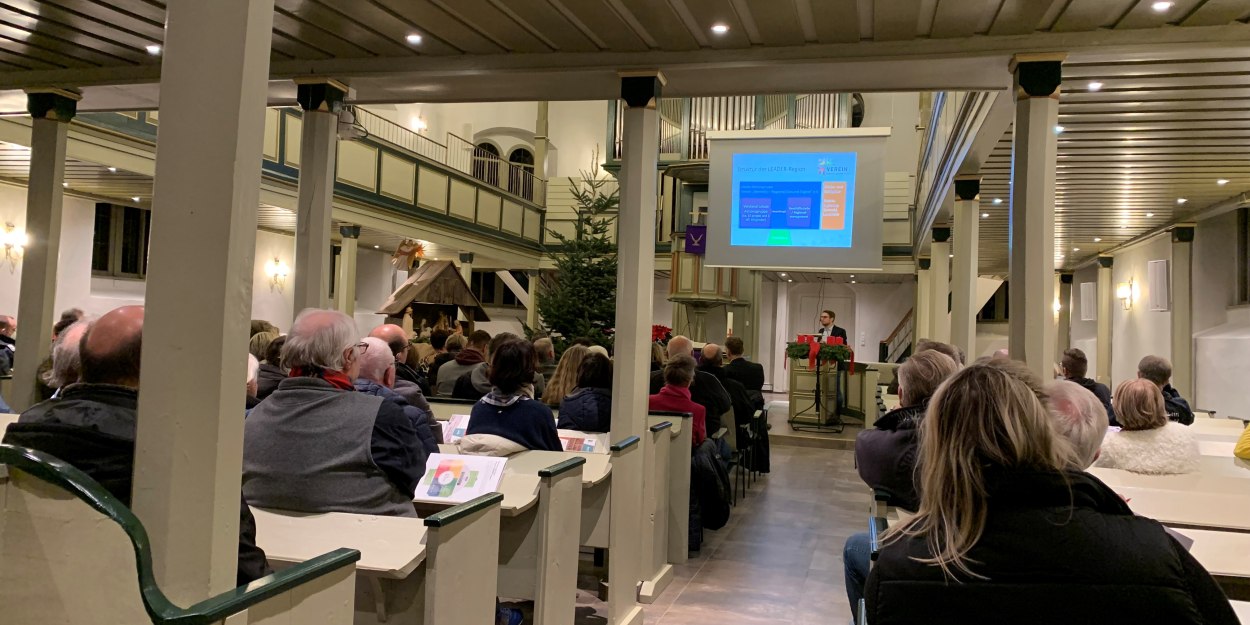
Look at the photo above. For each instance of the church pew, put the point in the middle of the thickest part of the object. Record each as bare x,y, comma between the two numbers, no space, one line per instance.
411,571
444,407
1195,482
5,420
1225,555
1220,449
1242,609
679,482
657,573
1188,508
72,554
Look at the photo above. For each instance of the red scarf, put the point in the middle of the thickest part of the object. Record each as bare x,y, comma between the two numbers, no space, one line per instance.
337,379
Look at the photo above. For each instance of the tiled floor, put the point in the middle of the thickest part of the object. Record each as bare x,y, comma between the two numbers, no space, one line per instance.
779,560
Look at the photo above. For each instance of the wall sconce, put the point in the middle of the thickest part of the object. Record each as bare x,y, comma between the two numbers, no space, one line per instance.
14,242
418,124
1057,306
277,272
1124,293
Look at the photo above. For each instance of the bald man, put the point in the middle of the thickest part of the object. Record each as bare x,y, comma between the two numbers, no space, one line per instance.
8,344
397,341
91,424
706,390
377,377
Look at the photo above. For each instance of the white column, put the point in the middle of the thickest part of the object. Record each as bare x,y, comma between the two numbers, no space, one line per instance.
188,455
1063,322
345,291
1032,235
531,311
635,289
321,101
1182,309
51,110
964,275
541,141
924,299
466,272
940,286
1106,290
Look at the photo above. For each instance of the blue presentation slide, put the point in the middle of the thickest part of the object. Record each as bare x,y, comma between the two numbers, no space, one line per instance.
802,199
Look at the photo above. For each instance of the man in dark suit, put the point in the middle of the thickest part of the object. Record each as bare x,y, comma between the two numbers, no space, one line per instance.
827,329
750,374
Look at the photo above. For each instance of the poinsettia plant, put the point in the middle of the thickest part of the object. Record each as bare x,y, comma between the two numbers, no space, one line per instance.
661,334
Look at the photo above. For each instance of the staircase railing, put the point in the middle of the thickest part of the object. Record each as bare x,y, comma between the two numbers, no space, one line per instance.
386,130
895,346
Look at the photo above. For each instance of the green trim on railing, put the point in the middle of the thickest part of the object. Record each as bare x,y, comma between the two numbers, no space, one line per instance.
562,467
661,426
670,413
159,608
455,513
624,444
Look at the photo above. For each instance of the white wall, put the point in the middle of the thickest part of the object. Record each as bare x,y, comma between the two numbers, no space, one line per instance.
661,308
503,320
1138,331
1214,255
1084,334
899,111
878,309
269,302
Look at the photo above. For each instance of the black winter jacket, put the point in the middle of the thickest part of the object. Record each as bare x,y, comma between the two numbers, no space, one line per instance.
1057,548
92,426
420,419
1176,406
587,410
1103,394
885,456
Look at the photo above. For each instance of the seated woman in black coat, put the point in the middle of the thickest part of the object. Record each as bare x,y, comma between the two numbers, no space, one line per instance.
1006,534
589,407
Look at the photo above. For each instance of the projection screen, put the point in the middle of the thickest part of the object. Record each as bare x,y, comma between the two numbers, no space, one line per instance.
796,199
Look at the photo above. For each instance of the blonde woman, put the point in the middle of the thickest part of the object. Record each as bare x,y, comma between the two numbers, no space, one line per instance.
564,380
1147,441
1005,534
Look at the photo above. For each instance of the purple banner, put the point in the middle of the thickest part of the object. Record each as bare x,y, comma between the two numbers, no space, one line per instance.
696,239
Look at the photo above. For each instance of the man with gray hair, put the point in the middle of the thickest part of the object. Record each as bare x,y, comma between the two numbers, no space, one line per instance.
1157,369
1079,417
546,352
66,360
316,445
378,376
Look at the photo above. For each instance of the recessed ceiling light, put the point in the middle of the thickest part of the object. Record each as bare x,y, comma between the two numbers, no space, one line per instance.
720,29
788,280
413,39
64,184
135,198
985,215
1222,181
112,170
852,275
1094,85
782,274
1058,129
153,49
998,200
1150,214
1160,7
952,256
1097,239
852,282
1181,200
377,247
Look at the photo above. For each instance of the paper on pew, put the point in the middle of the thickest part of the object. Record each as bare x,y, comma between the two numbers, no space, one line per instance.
574,440
454,428
457,478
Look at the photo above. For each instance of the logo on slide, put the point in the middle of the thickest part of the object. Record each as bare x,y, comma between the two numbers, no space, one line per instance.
825,166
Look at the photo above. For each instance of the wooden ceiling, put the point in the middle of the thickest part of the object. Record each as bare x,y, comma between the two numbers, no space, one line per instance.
1145,136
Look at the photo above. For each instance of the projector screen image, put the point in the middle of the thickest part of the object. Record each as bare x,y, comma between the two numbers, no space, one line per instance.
804,199
796,199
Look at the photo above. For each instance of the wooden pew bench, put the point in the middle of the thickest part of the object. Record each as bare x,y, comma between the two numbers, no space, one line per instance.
411,571
1226,556
1188,508
72,554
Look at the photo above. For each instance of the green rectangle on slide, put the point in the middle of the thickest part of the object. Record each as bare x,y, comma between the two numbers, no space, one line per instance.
778,237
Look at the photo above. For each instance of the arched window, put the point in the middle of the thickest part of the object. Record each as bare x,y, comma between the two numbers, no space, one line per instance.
486,163
521,173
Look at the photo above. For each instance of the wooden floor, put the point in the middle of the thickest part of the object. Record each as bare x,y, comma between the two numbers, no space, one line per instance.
779,560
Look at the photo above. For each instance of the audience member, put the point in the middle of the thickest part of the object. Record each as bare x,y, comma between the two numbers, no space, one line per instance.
1147,441
377,377
473,354
1073,366
955,354
91,424
657,356
68,318
397,341
1157,369
885,455
546,351
271,372
508,420
564,380
584,341
739,400
706,390
316,445
589,407
4,407
258,345
1006,532
1242,450
476,384
675,396
66,359
1078,417
750,374
253,369
438,341
451,347
260,325
8,344
599,349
